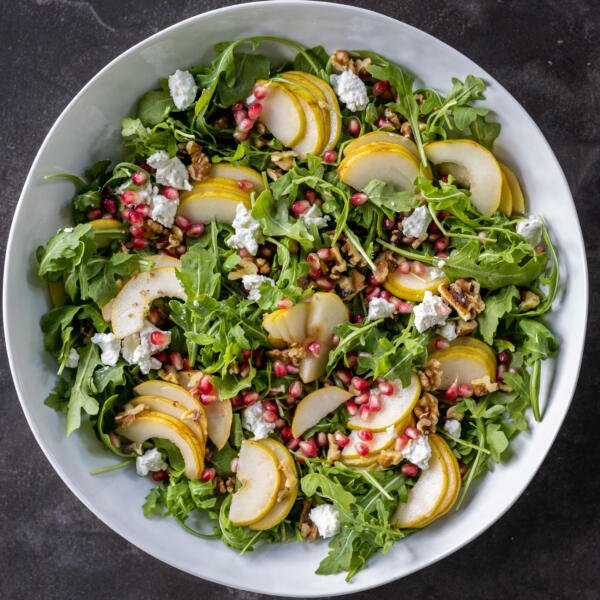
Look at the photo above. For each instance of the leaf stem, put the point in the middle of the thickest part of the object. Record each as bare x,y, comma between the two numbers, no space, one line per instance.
534,389
111,467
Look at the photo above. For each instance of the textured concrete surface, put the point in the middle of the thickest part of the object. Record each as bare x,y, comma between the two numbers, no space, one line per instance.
547,54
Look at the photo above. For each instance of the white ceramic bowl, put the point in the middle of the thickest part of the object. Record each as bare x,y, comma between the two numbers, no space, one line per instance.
88,130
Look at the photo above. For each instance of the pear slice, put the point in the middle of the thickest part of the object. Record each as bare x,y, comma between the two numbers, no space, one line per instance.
288,488
288,324
316,405
462,364
259,475
212,205
471,342
272,324
382,136
505,197
409,286
518,200
174,409
150,424
100,225
362,462
381,441
391,163
235,173
426,496
282,113
395,408
134,299
453,471
176,393
215,184
474,167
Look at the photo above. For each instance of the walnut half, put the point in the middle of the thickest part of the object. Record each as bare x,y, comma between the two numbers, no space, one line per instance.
463,295
427,413
430,376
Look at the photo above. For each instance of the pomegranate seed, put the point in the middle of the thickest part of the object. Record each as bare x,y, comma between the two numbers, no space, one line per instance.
160,338
139,243
344,376
170,193
351,408
314,348
442,255
292,370
404,308
364,413
137,231
139,178
322,439
176,360
300,207
379,87
412,432
110,205
182,222
237,106
324,253
389,224
401,442
419,268
504,357
142,209
310,195
359,384
181,249
405,267
114,440
441,244
313,259
354,127
196,230
205,385
381,122
335,339
93,214
374,403
208,474
134,217
185,363
260,92
246,354
241,136
444,178
385,295
160,475
286,433
269,416
452,392
245,124
254,110
293,444
465,390
239,116
280,423
249,398
325,284
162,356
130,197
279,369
365,435
330,156
341,439
358,199
358,318
295,389
410,470
362,398
207,399
308,448
361,449
440,344
245,185
386,388
285,303
236,401
233,465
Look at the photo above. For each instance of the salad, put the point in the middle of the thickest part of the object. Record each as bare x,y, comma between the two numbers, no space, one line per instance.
306,304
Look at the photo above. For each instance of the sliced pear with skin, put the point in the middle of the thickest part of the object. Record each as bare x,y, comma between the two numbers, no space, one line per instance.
409,286
381,441
426,496
176,393
362,462
151,424
382,136
282,113
474,167
463,364
259,475
395,408
101,225
288,488
174,409
518,199
215,184
235,173
317,405
453,471
289,324
216,205
271,324
384,161
505,197
471,342
134,299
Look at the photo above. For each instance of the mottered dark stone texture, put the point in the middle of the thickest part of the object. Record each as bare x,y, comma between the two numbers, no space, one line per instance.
547,54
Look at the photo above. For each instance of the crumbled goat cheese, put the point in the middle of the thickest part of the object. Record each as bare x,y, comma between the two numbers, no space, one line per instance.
169,171
72,359
432,311
416,224
137,348
67,229
435,273
441,263
163,210
531,230
351,90
252,284
447,331
379,308
418,452
183,89
150,461
326,518
109,348
254,422
453,427
314,216
247,231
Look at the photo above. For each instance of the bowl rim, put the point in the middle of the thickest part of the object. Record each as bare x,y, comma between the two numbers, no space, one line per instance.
74,485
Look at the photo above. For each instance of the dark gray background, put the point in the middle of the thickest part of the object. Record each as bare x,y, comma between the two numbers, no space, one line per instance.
547,54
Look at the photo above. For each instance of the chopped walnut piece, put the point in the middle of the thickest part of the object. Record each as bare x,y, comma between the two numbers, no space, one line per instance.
393,117
431,376
348,287
339,264
274,174
230,484
340,60
333,452
169,373
452,413
464,328
529,300
200,165
406,130
308,529
389,458
483,386
219,485
463,296
285,159
354,256
294,354
246,266
504,387
127,415
427,413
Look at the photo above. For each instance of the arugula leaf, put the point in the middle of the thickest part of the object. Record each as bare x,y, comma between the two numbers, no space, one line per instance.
155,502
314,483
538,342
496,306
484,132
385,196
312,60
247,69
154,107
80,397
106,423
58,398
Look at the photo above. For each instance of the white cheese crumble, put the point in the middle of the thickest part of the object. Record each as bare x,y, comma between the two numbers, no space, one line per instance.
183,89
351,90
326,518
169,171
435,273
447,331
164,210
441,263
67,229
109,348
432,311
379,308
150,461
531,230
137,348
418,452
252,284
453,427
254,422
314,216
72,359
247,231
416,224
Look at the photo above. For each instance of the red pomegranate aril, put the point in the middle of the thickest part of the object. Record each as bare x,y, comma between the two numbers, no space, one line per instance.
364,413
181,249
196,230
292,370
361,448
359,384
185,363
295,389
335,339
389,224
269,405
351,407
365,435
358,199
442,255
139,178
176,360
405,267
162,356
409,470
246,354
504,357
293,444
154,316
286,433
358,318
341,439
310,195
419,268
322,439
374,403
344,376
159,338
207,399
381,122
245,185
308,448
254,110
362,398
324,253
401,442
208,474
241,136
354,127
280,424
110,205
299,207
237,106
182,222
249,398
325,284
129,197
114,440
142,209
260,92
160,475
385,295
386,388
379,87
465,390
441,244
269,416
139,243
452,392
245,124
444,178
440,344
279,369
285,303
239,116
412,432
236,401
137,231
170,193
330,156
205,385
314,348
93,214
